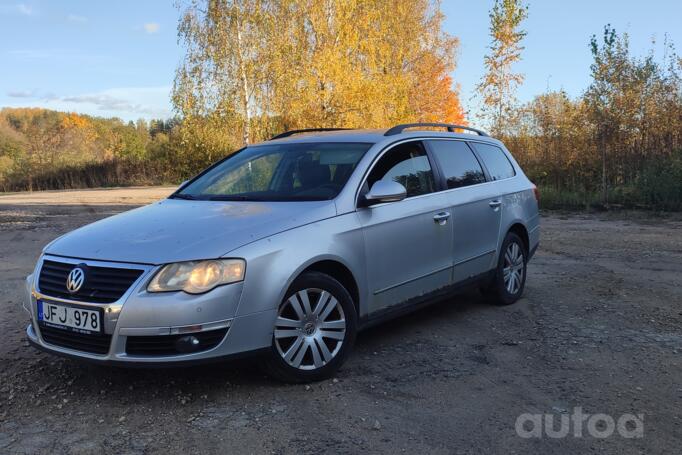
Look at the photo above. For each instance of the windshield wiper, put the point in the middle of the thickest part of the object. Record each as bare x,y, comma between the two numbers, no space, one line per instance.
191,197
230,198
188,197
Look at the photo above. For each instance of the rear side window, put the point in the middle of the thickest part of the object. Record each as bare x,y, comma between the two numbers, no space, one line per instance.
459,165
495,160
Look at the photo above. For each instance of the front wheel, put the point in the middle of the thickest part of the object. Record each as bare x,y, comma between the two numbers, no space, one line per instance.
510,275
314,331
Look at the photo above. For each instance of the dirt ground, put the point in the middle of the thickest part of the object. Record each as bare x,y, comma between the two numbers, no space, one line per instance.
600,328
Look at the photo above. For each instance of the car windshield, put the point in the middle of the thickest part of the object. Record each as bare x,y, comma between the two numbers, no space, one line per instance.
279,172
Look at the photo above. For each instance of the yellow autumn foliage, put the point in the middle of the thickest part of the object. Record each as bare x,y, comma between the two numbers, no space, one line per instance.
262,66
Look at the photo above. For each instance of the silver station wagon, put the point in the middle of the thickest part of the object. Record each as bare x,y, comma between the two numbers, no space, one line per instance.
287,248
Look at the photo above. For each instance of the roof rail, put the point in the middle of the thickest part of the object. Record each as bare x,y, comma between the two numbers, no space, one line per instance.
307,130
451,128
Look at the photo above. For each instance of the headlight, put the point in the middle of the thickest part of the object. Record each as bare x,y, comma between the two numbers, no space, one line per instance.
196,277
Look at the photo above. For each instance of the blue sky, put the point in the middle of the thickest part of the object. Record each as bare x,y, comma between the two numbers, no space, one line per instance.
118,58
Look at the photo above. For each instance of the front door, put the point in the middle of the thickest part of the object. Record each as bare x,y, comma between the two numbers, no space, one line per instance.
408,243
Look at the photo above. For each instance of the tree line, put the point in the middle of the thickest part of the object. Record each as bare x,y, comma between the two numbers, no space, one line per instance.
253,68
42,149
617,144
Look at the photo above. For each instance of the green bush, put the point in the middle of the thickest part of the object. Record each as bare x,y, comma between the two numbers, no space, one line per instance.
660,184
658,187
553,199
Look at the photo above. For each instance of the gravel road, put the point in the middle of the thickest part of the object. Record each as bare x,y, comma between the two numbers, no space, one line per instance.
599,328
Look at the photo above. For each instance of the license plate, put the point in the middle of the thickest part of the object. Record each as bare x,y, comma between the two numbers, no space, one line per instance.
74,318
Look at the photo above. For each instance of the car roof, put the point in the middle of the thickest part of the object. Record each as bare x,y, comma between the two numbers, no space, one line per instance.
372,136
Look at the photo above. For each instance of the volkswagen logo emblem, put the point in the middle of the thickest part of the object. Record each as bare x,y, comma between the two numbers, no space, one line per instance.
75,280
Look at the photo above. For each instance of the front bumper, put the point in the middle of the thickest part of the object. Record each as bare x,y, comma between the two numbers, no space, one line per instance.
221,353
139,315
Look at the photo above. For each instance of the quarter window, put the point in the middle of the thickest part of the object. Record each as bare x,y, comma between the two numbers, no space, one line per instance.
495,160
408,165
458,163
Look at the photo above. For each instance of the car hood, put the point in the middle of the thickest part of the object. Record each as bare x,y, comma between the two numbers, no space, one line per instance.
175,230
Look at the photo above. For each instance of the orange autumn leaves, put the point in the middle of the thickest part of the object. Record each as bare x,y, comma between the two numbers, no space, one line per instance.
435,100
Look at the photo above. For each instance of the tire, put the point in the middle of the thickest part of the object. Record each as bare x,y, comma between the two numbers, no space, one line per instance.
314,332
501,291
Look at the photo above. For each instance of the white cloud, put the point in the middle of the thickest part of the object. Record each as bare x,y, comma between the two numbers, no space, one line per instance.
127,103
21,94
151,27
24,9
104,102
75,18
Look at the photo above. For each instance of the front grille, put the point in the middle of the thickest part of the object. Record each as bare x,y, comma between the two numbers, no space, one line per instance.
93,343
166,344
101,284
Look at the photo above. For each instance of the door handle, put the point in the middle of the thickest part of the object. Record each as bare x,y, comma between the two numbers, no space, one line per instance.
441,218
495,204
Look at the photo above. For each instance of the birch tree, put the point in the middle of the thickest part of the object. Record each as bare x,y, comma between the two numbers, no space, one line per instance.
498,86
222,72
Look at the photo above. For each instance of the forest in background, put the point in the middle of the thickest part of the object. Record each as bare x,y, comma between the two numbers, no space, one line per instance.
619,144
254,68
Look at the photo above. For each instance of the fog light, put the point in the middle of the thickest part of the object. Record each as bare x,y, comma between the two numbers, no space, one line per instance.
187,344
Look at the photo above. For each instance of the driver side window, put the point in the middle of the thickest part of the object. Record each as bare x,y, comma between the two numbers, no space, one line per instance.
408,165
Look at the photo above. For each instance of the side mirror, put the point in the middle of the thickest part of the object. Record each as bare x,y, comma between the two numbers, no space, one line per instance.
385,191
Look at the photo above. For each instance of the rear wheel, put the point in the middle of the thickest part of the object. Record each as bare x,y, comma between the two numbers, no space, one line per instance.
314,331
510,275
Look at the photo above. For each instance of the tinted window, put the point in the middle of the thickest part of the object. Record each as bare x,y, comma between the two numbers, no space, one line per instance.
495,160
408,165
459,165
279,172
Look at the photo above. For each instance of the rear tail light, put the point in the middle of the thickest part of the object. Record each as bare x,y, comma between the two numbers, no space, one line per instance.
536,193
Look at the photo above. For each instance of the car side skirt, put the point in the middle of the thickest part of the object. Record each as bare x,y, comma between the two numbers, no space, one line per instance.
423,301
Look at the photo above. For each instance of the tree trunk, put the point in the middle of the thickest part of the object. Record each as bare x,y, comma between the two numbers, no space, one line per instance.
605,190
245,87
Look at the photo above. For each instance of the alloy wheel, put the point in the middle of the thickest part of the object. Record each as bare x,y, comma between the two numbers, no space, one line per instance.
514,268
310,329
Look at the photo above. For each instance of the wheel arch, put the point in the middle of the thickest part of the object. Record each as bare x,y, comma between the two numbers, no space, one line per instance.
520,230
335,268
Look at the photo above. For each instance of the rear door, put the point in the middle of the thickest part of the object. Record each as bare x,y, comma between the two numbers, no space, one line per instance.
474,204
408,244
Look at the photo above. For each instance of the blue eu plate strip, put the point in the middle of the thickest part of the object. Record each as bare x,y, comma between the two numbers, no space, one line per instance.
40,310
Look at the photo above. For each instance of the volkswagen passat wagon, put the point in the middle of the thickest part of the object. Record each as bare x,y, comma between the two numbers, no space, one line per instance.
289,247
